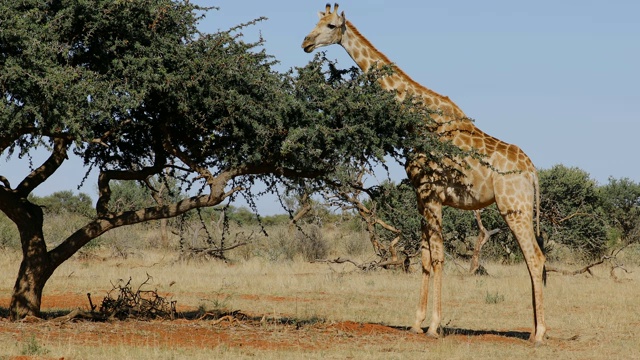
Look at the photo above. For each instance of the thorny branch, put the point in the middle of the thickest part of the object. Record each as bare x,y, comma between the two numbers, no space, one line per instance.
139,304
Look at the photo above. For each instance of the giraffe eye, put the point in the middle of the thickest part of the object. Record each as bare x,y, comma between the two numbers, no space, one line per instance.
331,26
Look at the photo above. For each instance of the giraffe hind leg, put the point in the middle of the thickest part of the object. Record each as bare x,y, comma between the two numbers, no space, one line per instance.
522,227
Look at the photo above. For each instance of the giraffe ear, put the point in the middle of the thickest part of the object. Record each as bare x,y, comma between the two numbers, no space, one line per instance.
342,19
320,14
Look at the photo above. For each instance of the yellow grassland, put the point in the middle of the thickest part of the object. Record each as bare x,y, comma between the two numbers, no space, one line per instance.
588,317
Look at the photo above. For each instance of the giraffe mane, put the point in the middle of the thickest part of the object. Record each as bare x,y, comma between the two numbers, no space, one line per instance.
397,70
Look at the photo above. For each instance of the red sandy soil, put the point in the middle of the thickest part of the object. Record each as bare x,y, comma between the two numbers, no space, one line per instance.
244,330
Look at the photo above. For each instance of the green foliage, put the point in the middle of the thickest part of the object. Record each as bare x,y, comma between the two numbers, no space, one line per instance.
131,195
621,204
138,97
241,215
575,213
570,205
396,204
9,237
65,202
461,231
275,220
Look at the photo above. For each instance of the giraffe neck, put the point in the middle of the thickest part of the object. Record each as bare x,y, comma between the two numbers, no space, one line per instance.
366,55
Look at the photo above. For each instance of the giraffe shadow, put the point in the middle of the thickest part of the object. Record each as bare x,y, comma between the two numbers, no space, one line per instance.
522,335
451,331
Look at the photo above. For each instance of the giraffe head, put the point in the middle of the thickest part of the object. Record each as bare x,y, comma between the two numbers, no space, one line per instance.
328,31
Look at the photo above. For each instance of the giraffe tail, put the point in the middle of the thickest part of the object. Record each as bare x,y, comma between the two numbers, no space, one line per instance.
539,237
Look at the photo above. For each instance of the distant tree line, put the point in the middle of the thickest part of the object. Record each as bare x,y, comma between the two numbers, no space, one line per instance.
577,214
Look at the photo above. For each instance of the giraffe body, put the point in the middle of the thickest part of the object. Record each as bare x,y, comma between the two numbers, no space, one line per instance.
511,181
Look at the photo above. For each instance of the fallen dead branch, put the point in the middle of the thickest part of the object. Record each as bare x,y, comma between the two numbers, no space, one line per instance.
367,266
233,318
79,314
139,304
123,302
611,259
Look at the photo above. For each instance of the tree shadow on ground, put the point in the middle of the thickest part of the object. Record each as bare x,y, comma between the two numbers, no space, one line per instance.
44,315
195,315
281,320
298,322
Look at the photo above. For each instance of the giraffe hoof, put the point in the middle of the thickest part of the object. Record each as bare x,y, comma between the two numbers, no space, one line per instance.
433,335
536,342
416,330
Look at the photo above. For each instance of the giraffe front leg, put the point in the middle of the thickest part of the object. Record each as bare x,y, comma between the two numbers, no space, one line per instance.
421,313
437,263
432,233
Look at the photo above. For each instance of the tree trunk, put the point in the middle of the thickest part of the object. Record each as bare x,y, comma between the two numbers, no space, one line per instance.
35,268
164,234
38,264
304,210
27,292
483,237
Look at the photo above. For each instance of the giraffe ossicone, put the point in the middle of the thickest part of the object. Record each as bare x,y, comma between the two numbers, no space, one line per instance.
510,179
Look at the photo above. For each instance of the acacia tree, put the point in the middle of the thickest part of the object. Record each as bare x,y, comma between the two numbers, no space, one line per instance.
570,210
621,202
134,90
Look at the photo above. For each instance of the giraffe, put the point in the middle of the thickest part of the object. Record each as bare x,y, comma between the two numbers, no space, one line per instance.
510,180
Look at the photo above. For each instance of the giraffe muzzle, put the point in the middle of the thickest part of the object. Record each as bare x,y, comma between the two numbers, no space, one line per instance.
308,45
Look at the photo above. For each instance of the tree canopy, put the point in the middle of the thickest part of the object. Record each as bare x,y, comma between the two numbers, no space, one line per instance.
136,91
621,203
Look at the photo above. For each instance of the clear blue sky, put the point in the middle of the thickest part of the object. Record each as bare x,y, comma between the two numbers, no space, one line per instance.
561,79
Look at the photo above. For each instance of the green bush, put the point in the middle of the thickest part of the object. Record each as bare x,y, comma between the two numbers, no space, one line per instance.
9,237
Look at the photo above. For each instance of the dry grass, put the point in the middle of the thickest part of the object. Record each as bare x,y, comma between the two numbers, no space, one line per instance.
588,317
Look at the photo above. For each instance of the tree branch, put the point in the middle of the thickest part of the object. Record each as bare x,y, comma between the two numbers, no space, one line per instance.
5,182
569,217
105,177
101,225
306,208
50,166
483,237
